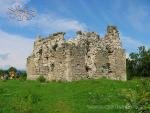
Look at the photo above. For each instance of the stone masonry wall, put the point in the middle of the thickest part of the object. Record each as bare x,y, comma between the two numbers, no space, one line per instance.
86,56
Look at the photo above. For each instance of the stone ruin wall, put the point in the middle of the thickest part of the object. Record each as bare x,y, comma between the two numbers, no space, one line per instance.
87,56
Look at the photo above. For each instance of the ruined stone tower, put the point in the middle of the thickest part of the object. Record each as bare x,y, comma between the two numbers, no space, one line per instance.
86,56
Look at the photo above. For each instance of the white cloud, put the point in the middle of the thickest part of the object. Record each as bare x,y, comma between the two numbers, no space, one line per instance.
16,47
51,23
54,23
131,44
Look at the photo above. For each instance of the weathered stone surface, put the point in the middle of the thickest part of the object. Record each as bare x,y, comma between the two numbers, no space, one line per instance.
86,56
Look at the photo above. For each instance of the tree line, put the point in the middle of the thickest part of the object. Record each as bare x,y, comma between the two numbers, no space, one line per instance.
12,73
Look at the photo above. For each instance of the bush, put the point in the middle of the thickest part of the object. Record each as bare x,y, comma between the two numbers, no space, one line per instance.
138,100
41,78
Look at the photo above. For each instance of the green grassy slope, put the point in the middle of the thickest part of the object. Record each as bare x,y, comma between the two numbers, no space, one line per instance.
86,96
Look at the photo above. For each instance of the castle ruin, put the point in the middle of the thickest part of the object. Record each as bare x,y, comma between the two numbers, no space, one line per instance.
87,56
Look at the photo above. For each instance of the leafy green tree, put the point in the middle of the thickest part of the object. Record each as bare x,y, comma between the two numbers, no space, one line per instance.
138,64
12,72
12,69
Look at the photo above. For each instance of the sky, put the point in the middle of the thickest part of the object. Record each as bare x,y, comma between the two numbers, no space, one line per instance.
132,18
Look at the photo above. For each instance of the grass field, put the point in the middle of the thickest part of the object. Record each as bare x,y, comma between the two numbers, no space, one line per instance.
85,96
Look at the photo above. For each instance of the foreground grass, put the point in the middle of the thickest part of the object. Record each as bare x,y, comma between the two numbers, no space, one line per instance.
86,96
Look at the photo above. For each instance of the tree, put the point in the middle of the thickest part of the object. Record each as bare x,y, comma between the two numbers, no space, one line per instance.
12,72
12,69
138,64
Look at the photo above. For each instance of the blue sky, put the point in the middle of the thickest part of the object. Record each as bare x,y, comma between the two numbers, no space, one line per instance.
132,17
